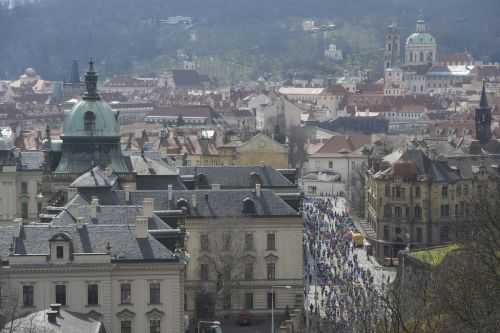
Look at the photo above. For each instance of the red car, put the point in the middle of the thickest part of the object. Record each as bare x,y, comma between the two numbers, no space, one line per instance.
244,319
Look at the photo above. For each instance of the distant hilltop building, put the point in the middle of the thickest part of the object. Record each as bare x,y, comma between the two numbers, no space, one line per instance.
334,53
420,70
16,3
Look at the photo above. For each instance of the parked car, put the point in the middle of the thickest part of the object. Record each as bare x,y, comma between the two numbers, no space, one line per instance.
244,318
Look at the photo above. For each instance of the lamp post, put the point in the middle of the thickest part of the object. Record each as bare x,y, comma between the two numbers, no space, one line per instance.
272,303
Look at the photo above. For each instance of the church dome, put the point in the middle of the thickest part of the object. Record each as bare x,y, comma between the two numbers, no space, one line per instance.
420,38
91,117
30,72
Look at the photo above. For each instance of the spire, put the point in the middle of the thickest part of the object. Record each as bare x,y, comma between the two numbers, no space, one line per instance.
483,104
91,83
75,73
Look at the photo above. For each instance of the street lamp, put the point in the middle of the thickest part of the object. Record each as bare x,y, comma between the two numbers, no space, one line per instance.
272,303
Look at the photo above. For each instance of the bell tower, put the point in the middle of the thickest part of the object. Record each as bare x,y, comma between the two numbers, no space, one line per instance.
483,118
392,53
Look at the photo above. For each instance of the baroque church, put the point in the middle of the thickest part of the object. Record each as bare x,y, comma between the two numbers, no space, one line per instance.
90,140
417,68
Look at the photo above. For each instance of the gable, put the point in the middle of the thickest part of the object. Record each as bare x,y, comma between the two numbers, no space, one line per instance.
262,143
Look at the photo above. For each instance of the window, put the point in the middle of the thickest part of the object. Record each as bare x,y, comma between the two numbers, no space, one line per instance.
89,121
386,233
204,272
417,192
248,301
60,252
444,192
61,294
227,301
407,212
126,293
271,271
387,191
418,212
24,188
24,210
226,241
445,210
466,189
125,326
419,235
204,243
92,294
459,190
271,300
387,251
397,211
387,211
249,271
154,326
249,242
444,234
330,164
154,293
28,292
271,242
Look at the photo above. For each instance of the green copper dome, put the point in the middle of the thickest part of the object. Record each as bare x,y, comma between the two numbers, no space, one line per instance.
91,117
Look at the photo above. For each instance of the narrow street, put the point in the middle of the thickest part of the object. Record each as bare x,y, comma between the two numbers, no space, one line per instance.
341,282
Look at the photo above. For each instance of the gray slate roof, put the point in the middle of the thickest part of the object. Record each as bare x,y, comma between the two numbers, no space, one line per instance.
96,177
94,239
235,177
106,215
67,322
219,203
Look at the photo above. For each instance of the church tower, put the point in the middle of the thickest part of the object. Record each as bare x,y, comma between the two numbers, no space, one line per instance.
483,119
392,53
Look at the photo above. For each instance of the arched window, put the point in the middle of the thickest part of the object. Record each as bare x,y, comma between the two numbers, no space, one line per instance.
248,206
411,56
89,121
421,56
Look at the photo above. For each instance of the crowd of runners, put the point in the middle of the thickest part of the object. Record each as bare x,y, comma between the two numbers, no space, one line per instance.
340,292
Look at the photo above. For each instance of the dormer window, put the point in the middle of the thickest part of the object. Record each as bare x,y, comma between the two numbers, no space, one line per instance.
60,252
89,121
248,206
60,248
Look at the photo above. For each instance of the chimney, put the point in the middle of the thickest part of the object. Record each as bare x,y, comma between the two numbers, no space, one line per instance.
93,207
257,190
52,316
147,207
215,187
193,200
80,222
55,307
126,188
170,193
141,227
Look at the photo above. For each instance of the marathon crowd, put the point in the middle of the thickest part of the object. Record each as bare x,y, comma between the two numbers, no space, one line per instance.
340,293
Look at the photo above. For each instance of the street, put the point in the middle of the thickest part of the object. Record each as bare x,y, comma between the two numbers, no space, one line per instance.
341,282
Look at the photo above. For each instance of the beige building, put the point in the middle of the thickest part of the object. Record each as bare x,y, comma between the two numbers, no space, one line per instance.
422,202
240,243
262,149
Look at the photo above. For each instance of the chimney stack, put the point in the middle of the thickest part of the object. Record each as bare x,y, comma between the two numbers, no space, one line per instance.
55,307
257,190
126,188
52,316
193,200
141,227
147,207
93,207
170,192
